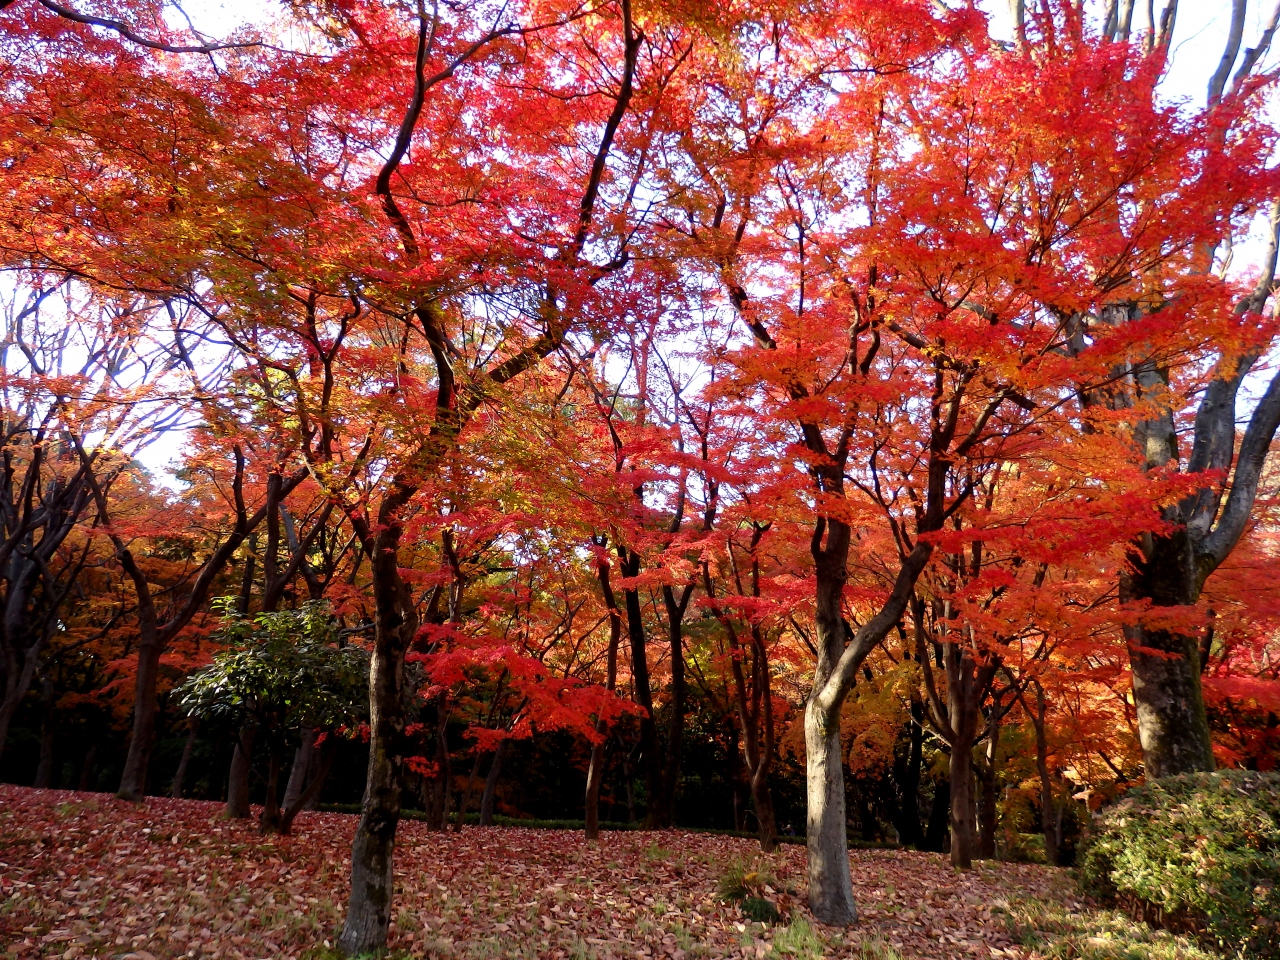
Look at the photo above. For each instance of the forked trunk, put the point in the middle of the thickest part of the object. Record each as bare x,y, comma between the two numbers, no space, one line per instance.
830,884
303,761
650,762
1172,725
307,797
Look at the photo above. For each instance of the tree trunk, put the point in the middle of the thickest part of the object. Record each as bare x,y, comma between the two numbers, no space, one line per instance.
595,776
465,803
306,799
180,777
595,770
372,886
766,820
641,690
238,780
491,783
961,778
269,821
44,768
988,774
1047,827
935,834
18,682
303,761
830,883
133,782
754,707
664,807
1172,725
907,777
988,812
86,769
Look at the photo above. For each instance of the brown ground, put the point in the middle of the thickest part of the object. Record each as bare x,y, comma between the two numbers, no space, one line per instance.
84,875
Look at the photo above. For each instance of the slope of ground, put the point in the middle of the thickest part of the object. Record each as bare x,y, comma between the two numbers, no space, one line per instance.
85,875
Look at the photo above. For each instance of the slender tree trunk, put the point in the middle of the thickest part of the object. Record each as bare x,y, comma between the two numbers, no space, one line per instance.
642,690
754,708
596,768
1047,827
269,821
595,776
935,836
663,812
438,817
44,768
989,776
907,777
179,778
491,783
303,760
86,768
676,605
465,803
238,780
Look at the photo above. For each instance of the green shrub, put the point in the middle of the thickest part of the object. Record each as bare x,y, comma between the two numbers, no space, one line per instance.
1200,851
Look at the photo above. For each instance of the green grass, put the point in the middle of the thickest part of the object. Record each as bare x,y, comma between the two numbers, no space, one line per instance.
798,941
1056,933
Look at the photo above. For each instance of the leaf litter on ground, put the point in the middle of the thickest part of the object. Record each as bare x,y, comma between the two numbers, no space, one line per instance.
85,875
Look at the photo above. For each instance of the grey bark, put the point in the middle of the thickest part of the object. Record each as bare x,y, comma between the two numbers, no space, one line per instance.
180,776
238,780
303,761
489,799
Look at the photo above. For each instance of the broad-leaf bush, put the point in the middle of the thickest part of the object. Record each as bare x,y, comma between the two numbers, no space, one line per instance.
1202,847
